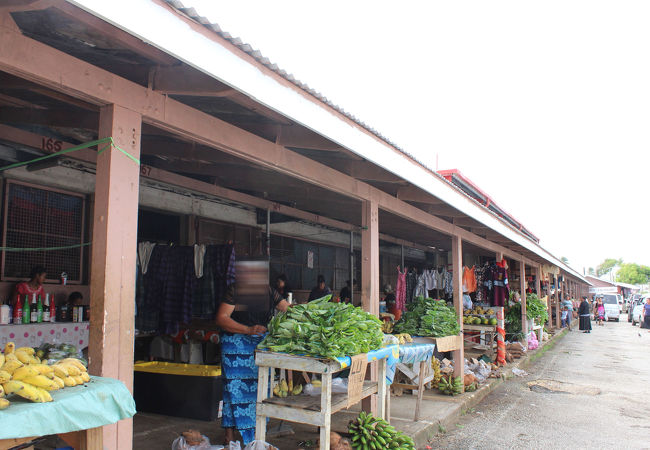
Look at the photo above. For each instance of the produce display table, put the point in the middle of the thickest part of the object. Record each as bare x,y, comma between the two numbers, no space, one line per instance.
36,334
76,414
413,354
314,410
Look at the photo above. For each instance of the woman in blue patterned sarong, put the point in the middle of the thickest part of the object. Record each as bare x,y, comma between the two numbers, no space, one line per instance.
242,330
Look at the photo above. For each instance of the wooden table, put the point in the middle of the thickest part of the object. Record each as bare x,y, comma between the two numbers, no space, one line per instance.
488,333
306,409
415,354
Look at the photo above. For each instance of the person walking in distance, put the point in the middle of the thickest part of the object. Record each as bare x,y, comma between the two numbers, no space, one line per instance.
585,316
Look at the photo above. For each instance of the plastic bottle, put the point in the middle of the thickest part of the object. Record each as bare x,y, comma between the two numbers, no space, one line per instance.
52,309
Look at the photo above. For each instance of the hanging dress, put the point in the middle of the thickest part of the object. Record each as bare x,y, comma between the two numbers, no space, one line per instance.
400,290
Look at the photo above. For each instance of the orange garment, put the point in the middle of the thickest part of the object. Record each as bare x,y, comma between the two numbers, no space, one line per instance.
469,279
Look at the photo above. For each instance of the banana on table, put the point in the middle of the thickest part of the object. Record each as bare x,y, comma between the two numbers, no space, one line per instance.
23,374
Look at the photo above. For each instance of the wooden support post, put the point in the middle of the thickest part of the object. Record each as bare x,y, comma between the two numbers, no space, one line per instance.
114,252
522,288
457,262
538,281
558,324
370,278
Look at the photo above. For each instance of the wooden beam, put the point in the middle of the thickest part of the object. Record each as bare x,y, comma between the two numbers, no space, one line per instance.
415,194
39,63
298,136
364,170
45,143
50,117
185,80
114,250
522,289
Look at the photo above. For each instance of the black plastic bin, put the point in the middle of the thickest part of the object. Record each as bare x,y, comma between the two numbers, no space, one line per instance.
181,390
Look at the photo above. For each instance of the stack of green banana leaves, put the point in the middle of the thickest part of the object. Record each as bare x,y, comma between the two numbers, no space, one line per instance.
325,330
428,317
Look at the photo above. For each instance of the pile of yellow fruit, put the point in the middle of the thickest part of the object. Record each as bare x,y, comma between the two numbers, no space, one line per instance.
282,389
404,338
22,373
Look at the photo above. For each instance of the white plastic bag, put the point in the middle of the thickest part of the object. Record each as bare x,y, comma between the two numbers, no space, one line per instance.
180,444
339,386
260,445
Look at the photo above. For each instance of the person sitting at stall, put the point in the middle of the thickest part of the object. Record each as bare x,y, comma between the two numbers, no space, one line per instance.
346,293
35,284
321,289
75,299
279,291
242,330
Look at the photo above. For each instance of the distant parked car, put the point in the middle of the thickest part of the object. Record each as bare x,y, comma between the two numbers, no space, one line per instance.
612,304
630,309
638,309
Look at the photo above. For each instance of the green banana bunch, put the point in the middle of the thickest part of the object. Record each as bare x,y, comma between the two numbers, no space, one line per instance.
372,433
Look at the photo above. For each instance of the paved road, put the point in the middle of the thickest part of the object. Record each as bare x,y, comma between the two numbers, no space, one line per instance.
614,359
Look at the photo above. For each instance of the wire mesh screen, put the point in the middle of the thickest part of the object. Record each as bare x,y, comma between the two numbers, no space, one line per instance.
42,219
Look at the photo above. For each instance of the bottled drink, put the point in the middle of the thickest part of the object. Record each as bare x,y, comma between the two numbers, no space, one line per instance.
33,317
52,310
26,310
39,310
18,311
75,314
46,308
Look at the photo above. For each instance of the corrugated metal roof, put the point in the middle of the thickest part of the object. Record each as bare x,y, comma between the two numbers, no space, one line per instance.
247,48
259,57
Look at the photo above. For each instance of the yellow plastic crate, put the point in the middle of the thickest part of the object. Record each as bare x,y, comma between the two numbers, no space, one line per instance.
167,368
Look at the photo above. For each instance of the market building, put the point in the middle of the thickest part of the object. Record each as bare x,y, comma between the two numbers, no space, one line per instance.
203,141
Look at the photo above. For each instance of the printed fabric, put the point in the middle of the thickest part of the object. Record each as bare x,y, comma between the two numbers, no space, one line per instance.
449,283
400,290
500,287
240,383
411,282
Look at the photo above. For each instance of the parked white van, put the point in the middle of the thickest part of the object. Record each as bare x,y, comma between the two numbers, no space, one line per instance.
612,304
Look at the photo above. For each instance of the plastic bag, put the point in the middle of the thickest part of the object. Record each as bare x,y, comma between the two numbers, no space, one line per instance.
260,445
180,444
339,386
533,343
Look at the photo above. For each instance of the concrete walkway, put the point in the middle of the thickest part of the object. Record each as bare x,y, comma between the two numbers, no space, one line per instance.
591,391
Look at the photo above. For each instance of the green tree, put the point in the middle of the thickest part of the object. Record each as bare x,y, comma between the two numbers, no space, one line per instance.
633,273
591,271
607,265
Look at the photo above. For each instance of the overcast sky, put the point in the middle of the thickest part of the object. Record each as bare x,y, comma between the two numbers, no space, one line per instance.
544,105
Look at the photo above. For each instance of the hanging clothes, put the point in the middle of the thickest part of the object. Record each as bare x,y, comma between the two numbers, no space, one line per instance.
218,275
440,279
420,287
500,287
469,279
145,249
411,282
431,281
199,258
482,275
400,290
449,284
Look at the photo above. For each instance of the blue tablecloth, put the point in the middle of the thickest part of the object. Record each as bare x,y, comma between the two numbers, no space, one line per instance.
391,353
102,401
410,354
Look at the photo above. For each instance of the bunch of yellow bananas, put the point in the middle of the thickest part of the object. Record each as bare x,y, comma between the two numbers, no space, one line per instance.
404,338
282,389
23,374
